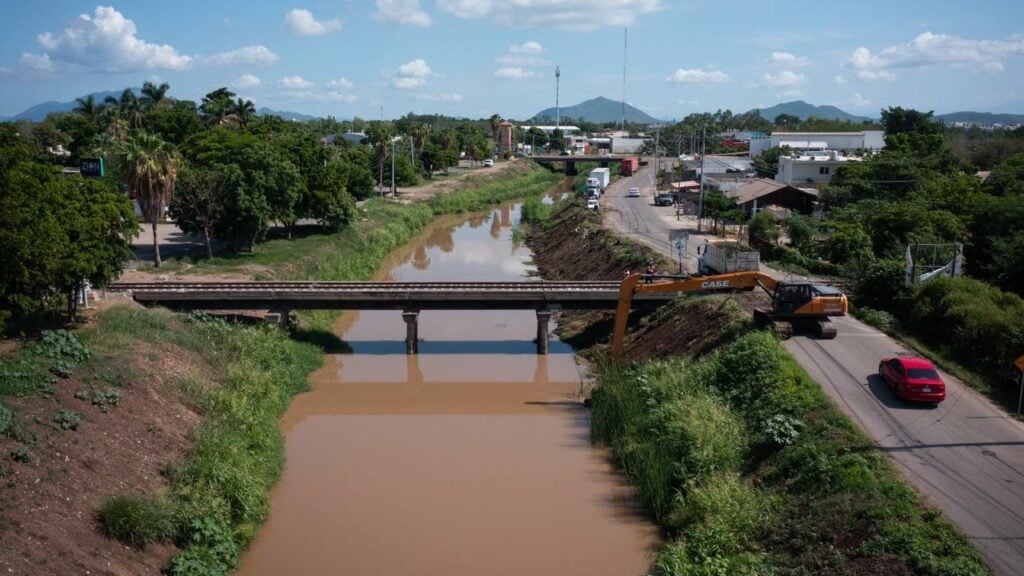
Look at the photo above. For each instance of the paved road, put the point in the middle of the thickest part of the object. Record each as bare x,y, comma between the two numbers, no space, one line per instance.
966,456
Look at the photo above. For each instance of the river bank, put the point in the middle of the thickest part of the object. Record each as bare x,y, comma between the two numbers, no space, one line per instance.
737,453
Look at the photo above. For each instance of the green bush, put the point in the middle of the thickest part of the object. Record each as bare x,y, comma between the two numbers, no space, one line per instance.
7,422
138,520
969,318
209,550
880,284
534,211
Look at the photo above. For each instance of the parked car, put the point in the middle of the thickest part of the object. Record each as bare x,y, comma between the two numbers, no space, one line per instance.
914,379
634,192
664,199
592,204
488,163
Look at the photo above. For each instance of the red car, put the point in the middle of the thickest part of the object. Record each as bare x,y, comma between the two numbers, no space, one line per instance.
914,379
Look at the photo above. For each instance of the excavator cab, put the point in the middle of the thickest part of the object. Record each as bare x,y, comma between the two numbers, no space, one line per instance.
804,305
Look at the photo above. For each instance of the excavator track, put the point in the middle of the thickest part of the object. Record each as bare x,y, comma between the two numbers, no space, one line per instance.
825,329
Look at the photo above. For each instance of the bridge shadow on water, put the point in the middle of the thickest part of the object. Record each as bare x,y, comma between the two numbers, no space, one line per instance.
451,347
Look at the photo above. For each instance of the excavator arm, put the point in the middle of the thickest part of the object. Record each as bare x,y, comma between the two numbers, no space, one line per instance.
698,284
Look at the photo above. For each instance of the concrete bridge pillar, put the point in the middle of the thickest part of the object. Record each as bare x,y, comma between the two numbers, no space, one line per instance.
543,318
280,317
411,318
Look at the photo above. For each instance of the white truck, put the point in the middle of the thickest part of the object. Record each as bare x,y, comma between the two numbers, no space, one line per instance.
725,257
603,177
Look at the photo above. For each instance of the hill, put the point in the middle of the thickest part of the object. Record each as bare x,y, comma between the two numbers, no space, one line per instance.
39,112
980,118
293,116
599,110
803,111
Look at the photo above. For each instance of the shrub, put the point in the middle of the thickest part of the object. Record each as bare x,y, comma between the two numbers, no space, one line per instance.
534,211
67,419
972,319
138,520
7,422
210,550
880,285
764,232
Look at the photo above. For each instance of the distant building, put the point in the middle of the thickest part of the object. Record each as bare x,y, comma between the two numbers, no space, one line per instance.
718,164
845,142
627,145
811,168
567,130
505,137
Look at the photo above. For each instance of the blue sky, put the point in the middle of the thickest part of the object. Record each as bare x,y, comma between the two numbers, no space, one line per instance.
479,57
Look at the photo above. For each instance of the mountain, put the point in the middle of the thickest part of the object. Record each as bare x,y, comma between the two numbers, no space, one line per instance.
293,116
599,110
38,112
803,111
980,118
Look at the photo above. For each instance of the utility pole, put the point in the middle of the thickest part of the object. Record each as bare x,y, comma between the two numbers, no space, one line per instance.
657,157
700,206
625,51
380,178
392,168
558,77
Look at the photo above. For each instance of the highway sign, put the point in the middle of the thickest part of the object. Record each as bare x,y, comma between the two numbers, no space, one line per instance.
92,167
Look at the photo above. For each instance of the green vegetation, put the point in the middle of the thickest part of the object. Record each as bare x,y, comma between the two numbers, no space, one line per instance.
219,492
751,470
535,211
137,520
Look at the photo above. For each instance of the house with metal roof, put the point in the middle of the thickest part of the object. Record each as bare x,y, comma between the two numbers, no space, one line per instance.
760,193
845,142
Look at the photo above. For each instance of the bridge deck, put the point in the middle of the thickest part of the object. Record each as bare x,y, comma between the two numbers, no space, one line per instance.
385,295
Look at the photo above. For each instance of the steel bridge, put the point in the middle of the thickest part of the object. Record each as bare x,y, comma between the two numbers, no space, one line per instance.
410,297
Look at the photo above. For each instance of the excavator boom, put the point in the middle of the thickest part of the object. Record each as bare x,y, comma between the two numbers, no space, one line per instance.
790,300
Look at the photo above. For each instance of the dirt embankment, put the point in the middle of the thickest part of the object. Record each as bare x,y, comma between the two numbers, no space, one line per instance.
109,427
573,245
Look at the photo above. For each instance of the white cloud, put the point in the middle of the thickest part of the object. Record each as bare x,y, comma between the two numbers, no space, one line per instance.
520,55
301,21
840,79
295,83
314,96
783,78
342,83
246,81
104,41
37,65
247,56
794,93
697,76
787,59
402,12
530,47
929,49
453,98
514,73
858,101
411,74
580,15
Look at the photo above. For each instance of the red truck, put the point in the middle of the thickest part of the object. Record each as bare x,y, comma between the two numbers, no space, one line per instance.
629,166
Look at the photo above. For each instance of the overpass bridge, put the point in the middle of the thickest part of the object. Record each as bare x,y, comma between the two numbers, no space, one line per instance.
570,161
409,297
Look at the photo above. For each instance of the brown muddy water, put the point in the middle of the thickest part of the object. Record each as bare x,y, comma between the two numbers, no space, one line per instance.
472,458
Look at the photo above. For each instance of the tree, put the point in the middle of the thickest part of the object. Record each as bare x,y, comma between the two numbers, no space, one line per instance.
150,168
495,123
556,141
898,120
767,163
57,231
849,242
764,232
801,231
787,121
153,95
269,174
217,106
243,110
88,108
127,107
199,203
328,200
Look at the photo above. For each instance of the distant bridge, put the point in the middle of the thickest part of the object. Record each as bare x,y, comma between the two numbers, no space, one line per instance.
409,297
570,161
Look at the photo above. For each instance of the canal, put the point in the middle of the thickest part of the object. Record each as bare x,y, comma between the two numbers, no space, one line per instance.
472,458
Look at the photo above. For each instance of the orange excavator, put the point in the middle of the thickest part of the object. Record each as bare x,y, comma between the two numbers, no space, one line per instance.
794,303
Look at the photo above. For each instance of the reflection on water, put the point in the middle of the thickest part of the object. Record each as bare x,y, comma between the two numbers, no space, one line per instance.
473,457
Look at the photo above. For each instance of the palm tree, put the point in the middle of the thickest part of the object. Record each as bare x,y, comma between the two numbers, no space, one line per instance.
243,110
495,124
88,107
153,95
151,169
217,106
127,107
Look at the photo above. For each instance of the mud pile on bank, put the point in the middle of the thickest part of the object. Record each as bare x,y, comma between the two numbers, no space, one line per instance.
572,245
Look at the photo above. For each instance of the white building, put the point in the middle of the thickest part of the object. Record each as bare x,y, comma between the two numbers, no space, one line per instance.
810,168
566,130
845,142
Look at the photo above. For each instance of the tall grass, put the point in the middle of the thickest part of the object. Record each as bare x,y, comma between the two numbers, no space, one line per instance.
751,469
219,492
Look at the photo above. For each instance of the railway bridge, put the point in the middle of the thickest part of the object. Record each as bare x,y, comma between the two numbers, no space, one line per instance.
409,297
